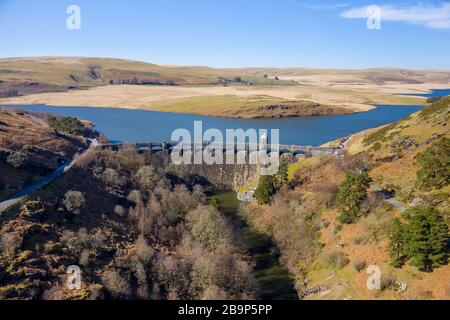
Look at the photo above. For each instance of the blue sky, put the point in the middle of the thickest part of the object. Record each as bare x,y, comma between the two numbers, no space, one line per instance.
233,33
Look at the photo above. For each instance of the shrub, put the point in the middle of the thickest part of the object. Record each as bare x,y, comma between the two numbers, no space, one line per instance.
147,178
178,202
116,285
433,99
334,259
435,166
85,159
74,201
67,125
359,265
143,251
265,190
82,241
135,196
112,178
174,275
120,211
209,227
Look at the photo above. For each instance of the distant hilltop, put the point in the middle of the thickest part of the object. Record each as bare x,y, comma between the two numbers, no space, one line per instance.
21,76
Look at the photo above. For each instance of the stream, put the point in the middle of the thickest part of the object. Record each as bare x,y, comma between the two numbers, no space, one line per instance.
273,279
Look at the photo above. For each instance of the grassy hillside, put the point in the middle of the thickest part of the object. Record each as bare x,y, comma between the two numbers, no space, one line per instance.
32,75
246,107
392,150
378,76
31,148
329,258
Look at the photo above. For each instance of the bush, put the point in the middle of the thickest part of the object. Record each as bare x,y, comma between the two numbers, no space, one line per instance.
82,241
135,196
435,166
120,211
147,178
359,265
74,201
143,251
112,178
433,99
209,227
174,275
265,190
116,285
67,125
334,259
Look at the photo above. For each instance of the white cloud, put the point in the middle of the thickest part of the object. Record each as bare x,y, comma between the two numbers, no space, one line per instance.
435,17
325,6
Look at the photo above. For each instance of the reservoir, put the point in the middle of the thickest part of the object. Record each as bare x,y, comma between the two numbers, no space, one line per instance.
150,126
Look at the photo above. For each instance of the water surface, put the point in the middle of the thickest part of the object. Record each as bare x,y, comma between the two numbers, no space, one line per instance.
152,126
433,93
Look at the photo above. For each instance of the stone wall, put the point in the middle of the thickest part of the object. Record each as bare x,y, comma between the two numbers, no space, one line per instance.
230,177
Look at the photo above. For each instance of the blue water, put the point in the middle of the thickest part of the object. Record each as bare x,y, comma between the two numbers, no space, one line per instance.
146,126
433,93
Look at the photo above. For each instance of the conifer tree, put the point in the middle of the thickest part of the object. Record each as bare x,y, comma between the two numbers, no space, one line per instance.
396,244
265,190
351,194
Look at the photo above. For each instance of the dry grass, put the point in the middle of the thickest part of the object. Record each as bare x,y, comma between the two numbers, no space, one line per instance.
212,100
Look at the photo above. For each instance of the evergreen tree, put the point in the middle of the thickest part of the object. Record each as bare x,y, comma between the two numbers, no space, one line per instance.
282,177
439,238
352,193
265,190
416,240
396,244
426,239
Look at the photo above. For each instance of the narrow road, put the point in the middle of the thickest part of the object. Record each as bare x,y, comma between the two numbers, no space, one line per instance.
388,198
12,200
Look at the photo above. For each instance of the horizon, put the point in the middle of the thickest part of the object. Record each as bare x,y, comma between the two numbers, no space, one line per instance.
168,65
236,34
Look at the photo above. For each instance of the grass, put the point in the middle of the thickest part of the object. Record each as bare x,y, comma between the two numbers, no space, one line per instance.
436,107
76,71
248,187
295,167
232,106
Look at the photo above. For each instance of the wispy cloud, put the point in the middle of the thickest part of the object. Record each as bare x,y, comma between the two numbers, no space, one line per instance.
435,17
325,6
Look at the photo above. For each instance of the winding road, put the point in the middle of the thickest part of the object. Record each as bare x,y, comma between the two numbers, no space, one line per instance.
12,200
386,196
